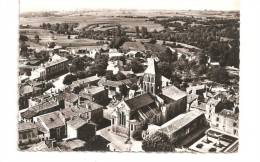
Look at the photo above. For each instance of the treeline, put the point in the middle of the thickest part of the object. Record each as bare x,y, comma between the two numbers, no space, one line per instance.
60,28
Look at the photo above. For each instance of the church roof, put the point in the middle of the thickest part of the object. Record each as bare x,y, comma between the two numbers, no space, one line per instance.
139,102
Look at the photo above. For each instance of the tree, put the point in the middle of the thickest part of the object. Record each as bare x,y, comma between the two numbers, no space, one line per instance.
136,66
137,135
110,75
120,76
37,38
137,30
144,32
158,142
23,38
218,74
68,79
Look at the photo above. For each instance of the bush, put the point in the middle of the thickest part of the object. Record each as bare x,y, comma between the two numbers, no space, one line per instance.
212,149
200,145
137,135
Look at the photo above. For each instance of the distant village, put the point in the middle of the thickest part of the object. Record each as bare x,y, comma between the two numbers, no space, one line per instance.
121,99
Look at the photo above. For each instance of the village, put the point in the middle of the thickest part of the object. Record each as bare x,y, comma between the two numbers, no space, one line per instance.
128,89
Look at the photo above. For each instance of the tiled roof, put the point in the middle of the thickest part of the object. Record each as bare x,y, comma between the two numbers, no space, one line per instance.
26,126
180,121
52,120
33,111
229,114
70,97
117,83
86,80
88,106
139,101
173,92
92,90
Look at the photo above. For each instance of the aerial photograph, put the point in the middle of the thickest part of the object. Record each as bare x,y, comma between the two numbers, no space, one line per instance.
133,78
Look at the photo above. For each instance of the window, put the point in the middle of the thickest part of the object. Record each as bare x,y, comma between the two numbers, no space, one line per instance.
234,124
113,121
235,131
216,125
131,127
217,119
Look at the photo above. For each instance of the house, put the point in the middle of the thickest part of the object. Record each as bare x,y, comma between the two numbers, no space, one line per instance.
39,74
56,66
87,110
117,87
42,108
81,129
133,114
52,125
70,100
89,81
174,102
165,81
223,115
28,133
95,94
185,126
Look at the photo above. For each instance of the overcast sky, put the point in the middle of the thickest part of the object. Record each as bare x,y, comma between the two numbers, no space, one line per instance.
48,5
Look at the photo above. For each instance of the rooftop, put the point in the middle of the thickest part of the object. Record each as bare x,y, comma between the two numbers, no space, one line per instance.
33,111
137,46
52,63
52,120
88,106
139,101
70,97
180,121
26,126
86,80
77,122
92,90
173,92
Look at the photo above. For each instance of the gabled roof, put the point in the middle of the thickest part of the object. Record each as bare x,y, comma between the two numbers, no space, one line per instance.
139,102
180,121
137,46
173,92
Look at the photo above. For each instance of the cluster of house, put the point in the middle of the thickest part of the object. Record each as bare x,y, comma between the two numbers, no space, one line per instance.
155,105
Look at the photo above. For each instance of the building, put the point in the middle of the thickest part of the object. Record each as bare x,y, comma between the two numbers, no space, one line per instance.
28,133
70,100
56,66
95,94
174,102
52,125
185,127
223,115
42,108
133,114
81,129
86,82
152,78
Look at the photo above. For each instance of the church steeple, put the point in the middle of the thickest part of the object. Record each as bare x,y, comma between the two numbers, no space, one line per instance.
152,78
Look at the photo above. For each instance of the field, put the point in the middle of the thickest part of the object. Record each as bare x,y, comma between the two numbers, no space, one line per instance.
89,19
46,36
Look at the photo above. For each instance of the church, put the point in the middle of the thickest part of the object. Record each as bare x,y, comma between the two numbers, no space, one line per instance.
155,105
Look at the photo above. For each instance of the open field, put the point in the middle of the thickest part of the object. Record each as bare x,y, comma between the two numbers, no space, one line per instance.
46,36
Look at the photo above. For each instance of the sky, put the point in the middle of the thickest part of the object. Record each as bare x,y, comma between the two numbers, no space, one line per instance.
59,5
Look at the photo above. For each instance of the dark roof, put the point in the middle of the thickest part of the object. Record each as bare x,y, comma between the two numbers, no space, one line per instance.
88,106
139,102
33,111
26,126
